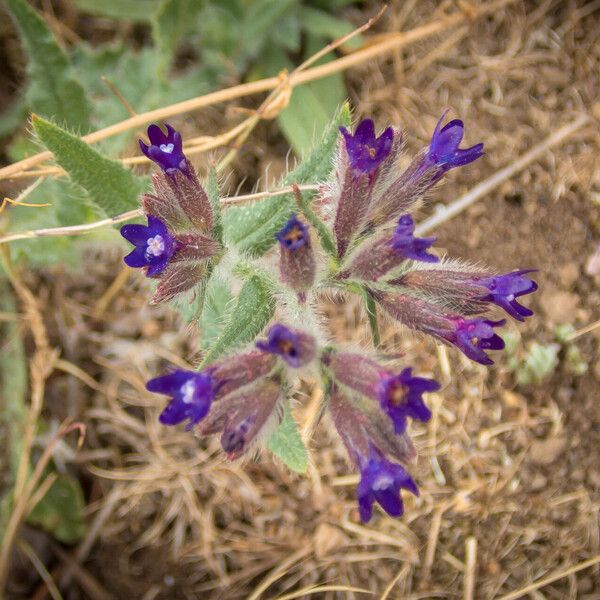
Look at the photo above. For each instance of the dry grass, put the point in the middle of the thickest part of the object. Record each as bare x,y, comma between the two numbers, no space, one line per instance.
509,476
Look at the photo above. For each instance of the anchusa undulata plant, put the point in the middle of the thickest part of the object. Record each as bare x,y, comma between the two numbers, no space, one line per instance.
355,234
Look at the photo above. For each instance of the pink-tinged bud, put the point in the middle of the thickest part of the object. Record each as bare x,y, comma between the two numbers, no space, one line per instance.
361,156
296,257
192,198
470,291
400,396
195,246
295,347
178,278
239,370
368,437
471,336
243,416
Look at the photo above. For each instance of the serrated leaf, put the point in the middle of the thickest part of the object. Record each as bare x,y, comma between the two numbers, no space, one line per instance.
124,10
287,445
60,511
252,228
52,90
110,186
252,312
217,313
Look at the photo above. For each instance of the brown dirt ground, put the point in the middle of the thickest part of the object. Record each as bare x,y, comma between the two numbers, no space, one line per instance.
516,468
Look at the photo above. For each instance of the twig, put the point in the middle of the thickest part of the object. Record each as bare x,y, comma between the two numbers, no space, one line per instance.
536,585
41,569
115,90
133,214
584,330
255,87
470,566
486,186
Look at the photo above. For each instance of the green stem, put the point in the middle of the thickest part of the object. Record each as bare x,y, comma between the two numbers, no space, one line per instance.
371,309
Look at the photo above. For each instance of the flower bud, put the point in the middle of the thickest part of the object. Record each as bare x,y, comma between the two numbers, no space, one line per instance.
295,347
296,257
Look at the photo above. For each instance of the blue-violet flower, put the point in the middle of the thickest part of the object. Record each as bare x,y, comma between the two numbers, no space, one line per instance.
406,244
365,150
505,289
166,150
444,151
295,347
381,481
191,396
154,245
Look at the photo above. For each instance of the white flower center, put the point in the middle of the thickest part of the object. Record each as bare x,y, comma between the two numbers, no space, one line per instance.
156,245
510,297
168,148
187,391
382,482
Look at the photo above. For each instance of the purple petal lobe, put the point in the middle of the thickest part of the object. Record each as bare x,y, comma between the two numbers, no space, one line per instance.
154,245
191,394
444,151
474,336
381,481
166,150
406,244
365,150
505,289
294,235
295,347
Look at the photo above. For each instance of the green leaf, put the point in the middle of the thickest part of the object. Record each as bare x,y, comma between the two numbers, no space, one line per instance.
60,511
321,24
252,228
13,116
13,377
172,21
287,445
123,10
540,363
53,91
311,105
253,311
217,313
110,186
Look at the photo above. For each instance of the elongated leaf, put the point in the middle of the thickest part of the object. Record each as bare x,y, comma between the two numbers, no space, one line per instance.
252,228
60,511
110,186
53,91
287,445
319,23
217,313
254,309
124,10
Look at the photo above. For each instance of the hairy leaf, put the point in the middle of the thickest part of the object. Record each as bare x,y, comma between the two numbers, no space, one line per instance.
254,309
60,511
286,443
252,228
53,91
218,311
110,186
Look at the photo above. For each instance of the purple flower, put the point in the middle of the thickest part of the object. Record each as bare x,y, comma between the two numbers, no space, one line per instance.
166,150
295,347
381,481
191,396
474,336
401,396
365,150
296,258
406,244
444,151
294,235
154,245
505,289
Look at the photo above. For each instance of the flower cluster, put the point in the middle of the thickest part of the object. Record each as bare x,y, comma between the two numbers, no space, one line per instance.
371,246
